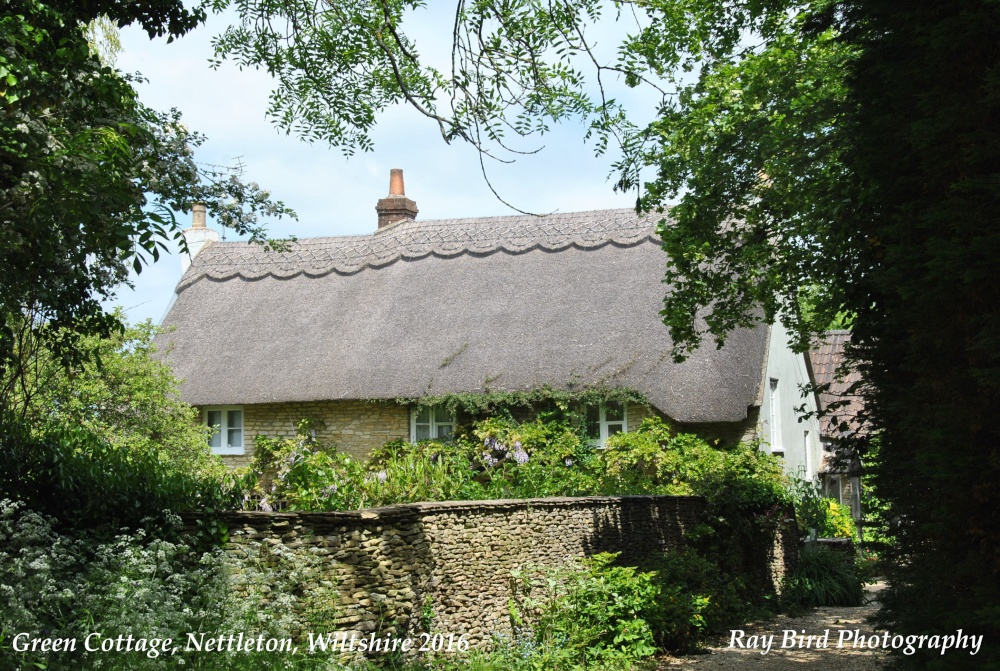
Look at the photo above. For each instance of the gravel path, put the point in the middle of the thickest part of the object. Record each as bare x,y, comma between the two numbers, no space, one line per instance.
833,658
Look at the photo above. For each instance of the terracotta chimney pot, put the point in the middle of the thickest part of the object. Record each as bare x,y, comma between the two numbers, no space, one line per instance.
396,187
395,207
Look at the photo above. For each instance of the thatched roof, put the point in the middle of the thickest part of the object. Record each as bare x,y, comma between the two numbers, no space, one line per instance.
424,308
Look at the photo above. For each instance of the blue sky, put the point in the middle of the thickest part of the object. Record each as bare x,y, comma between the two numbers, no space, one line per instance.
331,194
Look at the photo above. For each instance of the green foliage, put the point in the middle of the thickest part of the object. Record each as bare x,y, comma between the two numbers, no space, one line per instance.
85,481
72,584
562,405
110,425
89,176
695,599
500,458
587,615
823,577
736,130
121,393
824,516
599,614
302,474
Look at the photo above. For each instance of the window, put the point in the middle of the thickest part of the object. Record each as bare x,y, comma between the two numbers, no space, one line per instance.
774,419
431,423
605,420
227,429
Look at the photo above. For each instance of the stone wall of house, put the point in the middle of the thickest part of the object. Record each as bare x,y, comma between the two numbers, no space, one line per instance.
354,427
399,569
358,427
636,412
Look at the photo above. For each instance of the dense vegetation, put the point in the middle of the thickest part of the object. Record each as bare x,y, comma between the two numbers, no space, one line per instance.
847,144
72,562
845,149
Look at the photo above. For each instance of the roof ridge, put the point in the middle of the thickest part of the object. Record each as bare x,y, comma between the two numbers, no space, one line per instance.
415,240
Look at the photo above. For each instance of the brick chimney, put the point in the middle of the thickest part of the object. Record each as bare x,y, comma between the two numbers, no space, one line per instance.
396,206
197,235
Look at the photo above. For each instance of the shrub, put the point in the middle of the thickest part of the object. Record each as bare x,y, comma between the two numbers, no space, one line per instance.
134,583
823,577
695,599
106,442
88,482
304,474
545,457
825,516
585,614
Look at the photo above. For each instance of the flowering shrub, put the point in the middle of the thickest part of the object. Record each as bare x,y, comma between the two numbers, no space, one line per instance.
69,586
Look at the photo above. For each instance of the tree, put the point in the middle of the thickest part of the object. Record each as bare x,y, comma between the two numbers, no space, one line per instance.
89,175
842,155
122,394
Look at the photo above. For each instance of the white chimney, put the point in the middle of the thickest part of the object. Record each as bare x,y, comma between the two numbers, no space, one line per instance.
196,236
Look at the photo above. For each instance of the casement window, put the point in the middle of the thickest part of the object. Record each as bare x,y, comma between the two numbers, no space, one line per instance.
227,429
431,423
605,420
774,419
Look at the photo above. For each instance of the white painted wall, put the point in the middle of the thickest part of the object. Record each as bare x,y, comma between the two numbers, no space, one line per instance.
803,452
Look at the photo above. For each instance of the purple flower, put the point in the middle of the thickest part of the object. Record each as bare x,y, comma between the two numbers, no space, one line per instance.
520,456
381,476
329,491
568,462
489,460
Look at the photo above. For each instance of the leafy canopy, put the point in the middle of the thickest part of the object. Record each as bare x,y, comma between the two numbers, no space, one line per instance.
745,98
89,176
840,156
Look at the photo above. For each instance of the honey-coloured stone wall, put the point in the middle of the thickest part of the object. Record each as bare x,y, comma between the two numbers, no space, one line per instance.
393,569
353,427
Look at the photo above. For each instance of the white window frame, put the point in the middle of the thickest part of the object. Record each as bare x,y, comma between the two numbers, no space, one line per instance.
603,422
774,417
224,428
435,422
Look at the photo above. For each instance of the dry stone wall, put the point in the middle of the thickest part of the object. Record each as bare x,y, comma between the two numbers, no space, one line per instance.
397,569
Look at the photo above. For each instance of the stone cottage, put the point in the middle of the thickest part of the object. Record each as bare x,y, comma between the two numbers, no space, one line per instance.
345,330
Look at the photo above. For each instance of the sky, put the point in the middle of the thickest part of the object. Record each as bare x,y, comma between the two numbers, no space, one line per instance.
333,194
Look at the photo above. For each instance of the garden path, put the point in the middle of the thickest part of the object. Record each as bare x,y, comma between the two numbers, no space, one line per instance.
720,657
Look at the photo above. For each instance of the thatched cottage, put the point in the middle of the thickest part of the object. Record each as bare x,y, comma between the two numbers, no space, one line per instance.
345,330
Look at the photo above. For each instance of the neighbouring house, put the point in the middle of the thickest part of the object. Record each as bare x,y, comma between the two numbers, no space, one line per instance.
348,331
840,425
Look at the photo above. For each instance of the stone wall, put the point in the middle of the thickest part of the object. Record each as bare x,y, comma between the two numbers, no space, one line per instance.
358,427
354,427
393,567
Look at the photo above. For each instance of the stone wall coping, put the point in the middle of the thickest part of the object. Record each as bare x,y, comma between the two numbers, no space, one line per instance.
404,510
